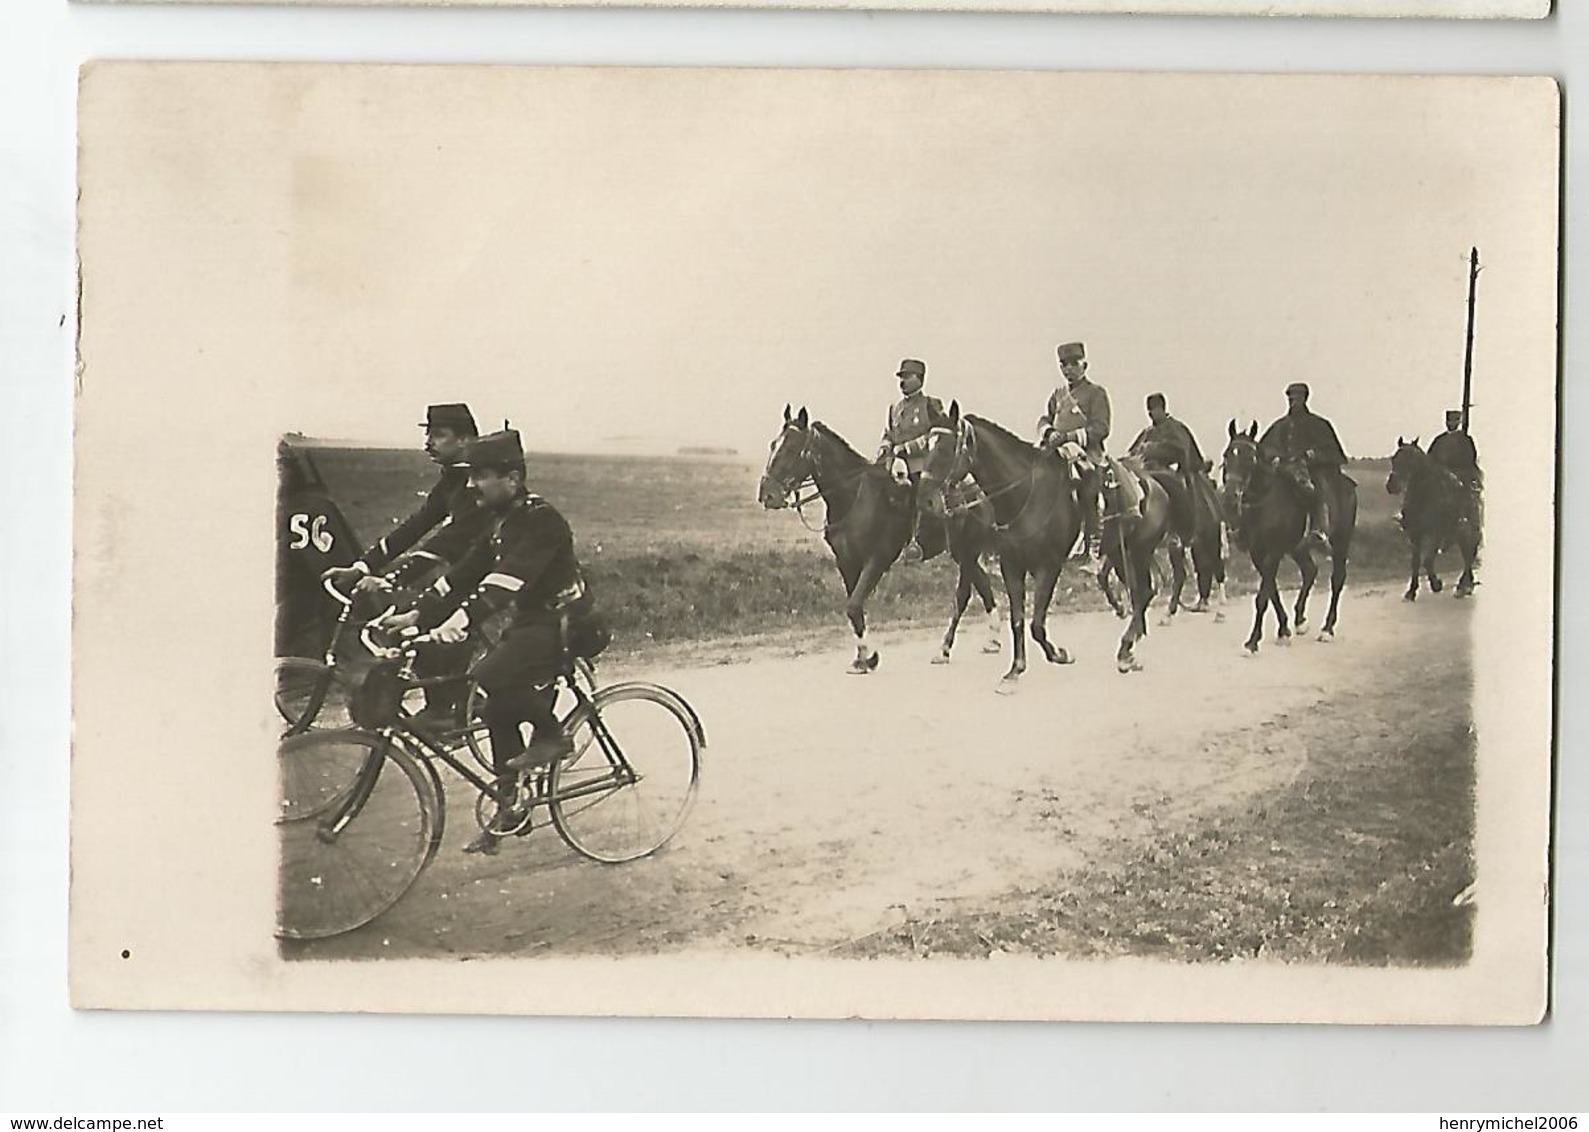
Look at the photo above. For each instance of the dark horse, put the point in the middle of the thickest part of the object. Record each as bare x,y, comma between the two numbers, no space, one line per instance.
868,522
1268,514
1198,522
1137,516
1437,512
1035,517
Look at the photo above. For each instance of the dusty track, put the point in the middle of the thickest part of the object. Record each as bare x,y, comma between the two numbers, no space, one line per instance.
829,802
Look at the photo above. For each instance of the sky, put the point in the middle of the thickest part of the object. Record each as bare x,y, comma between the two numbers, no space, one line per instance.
620,260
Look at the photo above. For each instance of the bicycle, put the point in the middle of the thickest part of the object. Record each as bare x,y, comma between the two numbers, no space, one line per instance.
313,693
363,809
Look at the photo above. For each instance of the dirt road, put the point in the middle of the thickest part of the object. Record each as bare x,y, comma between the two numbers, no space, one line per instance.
832,805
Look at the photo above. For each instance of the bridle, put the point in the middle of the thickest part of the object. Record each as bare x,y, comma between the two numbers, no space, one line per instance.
965,450
809,458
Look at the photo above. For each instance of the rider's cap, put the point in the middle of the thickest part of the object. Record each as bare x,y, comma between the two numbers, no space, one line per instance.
1453,416
456,417
911,365
1155,400
1300,388
497,451
1072,352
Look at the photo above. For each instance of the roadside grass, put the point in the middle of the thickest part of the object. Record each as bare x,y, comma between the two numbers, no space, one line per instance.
1357,861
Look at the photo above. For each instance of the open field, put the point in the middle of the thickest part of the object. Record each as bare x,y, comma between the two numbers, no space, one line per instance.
679,550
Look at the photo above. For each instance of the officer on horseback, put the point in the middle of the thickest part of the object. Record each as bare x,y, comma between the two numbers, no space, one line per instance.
1455,451
1075,425
1168,444
904,449
1304,446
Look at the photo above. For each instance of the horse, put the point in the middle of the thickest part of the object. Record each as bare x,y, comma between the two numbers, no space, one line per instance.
1269,517
1437,512
1035,517
1137,516
868,524
1199,524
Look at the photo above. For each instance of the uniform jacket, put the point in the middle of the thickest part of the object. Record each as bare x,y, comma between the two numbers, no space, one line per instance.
1078,412
1455,451
1172,433
1306,436
910,419
452,509
526,566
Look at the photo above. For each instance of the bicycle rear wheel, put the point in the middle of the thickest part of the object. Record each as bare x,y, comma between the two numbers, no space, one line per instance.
632,780
345,863
310,694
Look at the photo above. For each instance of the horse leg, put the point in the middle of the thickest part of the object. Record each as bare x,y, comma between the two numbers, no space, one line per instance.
962,596
1105,573
1430,557
1417,557
866,657
1042,597
1468,546
1310,574
1177,584
990,605
1337,582
1015,593
1142,594
1268,594
1223,555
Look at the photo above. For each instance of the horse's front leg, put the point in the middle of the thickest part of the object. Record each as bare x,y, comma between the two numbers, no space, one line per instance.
1337,583
1142,594
1014,572
962,596
1412,570
1042,596
1177,583
1431,556
1310,573
990,606
866,657
1267,590
1105,573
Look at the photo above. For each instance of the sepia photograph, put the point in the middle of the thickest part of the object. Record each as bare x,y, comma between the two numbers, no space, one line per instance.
909,544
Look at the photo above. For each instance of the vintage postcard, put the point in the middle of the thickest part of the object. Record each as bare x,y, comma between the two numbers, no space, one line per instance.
814,543
1419,9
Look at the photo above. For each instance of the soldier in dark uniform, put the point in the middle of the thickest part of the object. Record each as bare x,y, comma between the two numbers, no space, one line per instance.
527,570
1168,443
312,537
904,446
453,518
1454,450
1075,425
1303,440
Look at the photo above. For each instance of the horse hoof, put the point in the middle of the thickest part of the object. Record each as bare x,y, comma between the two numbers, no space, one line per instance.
993,647
1283,642
1250,649
1007,686
1436,585
1219,618
1128,665
1166,621
1325,637
1409,597
941,658
1061,656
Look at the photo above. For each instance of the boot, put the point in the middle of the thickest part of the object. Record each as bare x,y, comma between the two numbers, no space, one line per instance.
1317,537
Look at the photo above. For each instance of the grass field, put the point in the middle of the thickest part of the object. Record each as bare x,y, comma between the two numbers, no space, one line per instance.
678,549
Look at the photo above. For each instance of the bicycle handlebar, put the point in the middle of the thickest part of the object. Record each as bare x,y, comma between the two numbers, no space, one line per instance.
411,638
337,595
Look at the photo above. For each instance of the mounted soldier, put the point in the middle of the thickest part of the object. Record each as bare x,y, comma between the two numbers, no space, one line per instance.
1168,444
1455,451
1075,426
1304,447
904,450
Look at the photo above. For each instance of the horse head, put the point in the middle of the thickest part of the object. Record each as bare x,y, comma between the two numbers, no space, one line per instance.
789,461
948,460
1404,464
1237,466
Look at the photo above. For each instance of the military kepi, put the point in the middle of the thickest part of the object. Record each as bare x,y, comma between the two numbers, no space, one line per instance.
495,450
1072,352
456,417
1300,388
1453,416
912,366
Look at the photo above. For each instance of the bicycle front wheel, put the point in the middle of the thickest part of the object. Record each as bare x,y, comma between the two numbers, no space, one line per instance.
310,694
349,861
632,780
